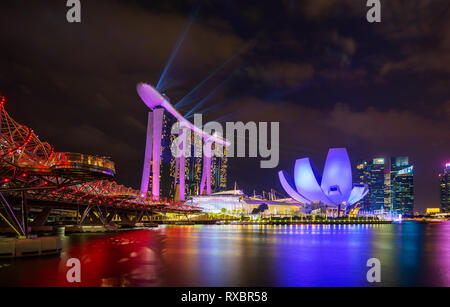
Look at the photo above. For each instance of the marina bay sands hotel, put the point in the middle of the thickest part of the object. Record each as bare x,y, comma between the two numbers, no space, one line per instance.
174,177
193,166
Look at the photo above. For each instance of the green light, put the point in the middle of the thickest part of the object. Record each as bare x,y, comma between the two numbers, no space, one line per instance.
378,161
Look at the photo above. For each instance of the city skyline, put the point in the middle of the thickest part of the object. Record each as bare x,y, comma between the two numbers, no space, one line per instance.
444,178
330,78
207,146
391,184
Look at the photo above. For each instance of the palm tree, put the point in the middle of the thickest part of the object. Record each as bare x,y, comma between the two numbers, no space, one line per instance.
223,210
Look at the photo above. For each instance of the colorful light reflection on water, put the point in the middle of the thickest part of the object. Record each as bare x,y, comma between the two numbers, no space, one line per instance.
411,254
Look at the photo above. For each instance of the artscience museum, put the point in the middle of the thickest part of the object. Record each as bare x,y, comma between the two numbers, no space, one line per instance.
332,194
333,190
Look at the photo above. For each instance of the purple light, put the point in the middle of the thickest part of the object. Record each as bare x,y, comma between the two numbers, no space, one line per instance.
156,102
357,193
157,130
153,99
337,172
334,188
289,186
148,157
307,183
182,160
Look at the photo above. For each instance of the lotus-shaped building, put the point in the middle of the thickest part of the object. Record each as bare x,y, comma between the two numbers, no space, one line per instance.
334,188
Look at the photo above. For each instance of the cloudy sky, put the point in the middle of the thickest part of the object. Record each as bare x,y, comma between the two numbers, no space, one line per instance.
316,66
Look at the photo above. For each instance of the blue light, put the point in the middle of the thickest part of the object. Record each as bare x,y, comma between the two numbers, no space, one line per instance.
186,99
334,188
202,102
177,46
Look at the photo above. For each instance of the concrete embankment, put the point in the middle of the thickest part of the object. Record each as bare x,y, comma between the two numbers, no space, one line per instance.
12,247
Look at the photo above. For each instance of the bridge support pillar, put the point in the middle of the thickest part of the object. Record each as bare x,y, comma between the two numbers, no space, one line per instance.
42,217
131,221
89,217
12,222
85,214
25,213
110,216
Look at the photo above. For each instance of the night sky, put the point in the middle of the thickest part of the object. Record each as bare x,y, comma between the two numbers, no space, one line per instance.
316,66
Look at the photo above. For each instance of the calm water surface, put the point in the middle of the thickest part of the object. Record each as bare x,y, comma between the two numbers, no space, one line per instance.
411,254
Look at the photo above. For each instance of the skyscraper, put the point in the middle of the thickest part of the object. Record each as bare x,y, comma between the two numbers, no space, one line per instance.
387,193
219,173
194,165
362,177
375,180
361,168
402,185
444,180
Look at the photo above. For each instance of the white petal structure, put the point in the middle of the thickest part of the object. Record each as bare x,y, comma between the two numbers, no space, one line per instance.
337,176
288,184
335,187
308,182
359,192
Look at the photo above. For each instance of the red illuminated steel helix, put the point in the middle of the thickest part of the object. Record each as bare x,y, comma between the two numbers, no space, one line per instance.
20,147
27,164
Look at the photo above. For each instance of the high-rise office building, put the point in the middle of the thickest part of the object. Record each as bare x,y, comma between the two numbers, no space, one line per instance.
219,173
375,180
362,177
194,165
361,169
402,185
444,180
387,192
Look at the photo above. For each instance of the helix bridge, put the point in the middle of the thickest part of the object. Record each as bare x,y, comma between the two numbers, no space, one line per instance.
31,171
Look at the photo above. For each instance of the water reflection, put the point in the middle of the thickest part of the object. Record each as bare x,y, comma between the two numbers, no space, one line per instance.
249,255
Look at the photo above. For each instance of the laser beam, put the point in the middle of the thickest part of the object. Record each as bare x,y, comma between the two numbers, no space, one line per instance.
215,106
186,99
177,46
202,102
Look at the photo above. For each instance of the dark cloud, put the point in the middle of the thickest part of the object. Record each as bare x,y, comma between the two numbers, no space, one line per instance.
322,9
283,74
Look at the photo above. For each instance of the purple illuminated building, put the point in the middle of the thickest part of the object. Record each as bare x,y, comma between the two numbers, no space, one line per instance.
333,189
158,104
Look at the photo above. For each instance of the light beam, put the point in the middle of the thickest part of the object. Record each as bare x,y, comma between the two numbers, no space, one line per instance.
177,46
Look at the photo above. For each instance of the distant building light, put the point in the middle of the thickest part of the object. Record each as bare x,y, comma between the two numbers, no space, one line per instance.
433,210
447,164
406,171
378,161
